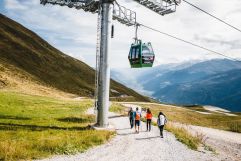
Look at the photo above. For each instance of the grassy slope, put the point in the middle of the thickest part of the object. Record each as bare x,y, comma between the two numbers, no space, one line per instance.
191,117
35,127
15,79
26,51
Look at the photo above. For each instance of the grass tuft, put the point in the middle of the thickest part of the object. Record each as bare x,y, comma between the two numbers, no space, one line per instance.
33,127
182,135
118,108
191,117
234,126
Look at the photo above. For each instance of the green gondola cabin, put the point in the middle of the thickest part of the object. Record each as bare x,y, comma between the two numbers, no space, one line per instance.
141,55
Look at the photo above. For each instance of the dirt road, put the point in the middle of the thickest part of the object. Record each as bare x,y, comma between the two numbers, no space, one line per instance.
145,146
226,143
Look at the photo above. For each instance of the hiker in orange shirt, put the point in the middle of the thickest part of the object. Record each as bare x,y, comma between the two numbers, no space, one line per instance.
148,119
137,116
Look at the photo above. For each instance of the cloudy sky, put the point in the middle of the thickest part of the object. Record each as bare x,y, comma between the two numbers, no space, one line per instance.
74,31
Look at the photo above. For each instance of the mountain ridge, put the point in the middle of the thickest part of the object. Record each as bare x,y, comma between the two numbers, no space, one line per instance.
25,50
189,84
217,90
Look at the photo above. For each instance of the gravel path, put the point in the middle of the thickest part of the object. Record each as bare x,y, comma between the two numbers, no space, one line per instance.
227,144
145,146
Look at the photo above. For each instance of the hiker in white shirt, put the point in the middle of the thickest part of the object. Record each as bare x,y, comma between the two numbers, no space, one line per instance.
161,121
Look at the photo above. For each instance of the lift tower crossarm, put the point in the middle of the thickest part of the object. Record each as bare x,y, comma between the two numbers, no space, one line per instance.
161,7
120,13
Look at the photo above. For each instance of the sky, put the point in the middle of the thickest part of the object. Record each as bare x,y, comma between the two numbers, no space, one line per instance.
74,31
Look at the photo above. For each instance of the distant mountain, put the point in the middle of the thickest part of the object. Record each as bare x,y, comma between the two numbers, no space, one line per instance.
128,77
191,83
25,51
136,77
183,74
222,89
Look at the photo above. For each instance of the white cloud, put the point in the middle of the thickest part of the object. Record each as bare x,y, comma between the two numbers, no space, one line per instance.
15,5
74,31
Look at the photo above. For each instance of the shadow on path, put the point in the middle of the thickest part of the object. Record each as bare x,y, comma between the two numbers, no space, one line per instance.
124,128
148,138
129,133
111,117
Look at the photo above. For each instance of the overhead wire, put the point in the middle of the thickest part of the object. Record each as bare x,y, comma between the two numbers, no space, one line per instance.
188,42
180,39
215,17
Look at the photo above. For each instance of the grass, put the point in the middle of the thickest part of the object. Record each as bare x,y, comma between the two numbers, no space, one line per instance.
28,52
191,117
118,108
197,108
235,126
34,127
14,79
22,144
182,135
209,148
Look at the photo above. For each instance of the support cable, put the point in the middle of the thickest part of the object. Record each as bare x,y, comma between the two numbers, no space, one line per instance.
185,41
215,17
188,42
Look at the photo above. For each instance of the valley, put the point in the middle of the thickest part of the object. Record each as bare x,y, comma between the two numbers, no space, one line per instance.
213,82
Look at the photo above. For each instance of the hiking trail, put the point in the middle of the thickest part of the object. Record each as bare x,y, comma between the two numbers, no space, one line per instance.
145,146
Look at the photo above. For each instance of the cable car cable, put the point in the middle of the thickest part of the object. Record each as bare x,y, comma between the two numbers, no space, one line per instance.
185,41
188,42
219,19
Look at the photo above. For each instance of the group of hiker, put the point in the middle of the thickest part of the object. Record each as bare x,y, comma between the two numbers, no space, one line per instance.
135,120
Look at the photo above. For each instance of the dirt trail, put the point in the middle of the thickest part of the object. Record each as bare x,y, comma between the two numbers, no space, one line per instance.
227,144
145,146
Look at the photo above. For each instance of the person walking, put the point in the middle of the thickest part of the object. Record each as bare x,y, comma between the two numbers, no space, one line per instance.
161,121
148,119
131,117
137,116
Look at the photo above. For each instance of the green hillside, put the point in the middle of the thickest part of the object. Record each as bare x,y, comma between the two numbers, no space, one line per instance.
26,52
33,127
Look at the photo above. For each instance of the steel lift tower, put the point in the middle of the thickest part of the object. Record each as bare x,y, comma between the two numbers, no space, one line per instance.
108,10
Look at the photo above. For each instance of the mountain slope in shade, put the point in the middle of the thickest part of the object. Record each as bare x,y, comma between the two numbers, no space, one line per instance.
179,74
26,51
222,89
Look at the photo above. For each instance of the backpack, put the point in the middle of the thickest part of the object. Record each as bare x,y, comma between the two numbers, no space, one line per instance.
138,116
131,114
165,121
